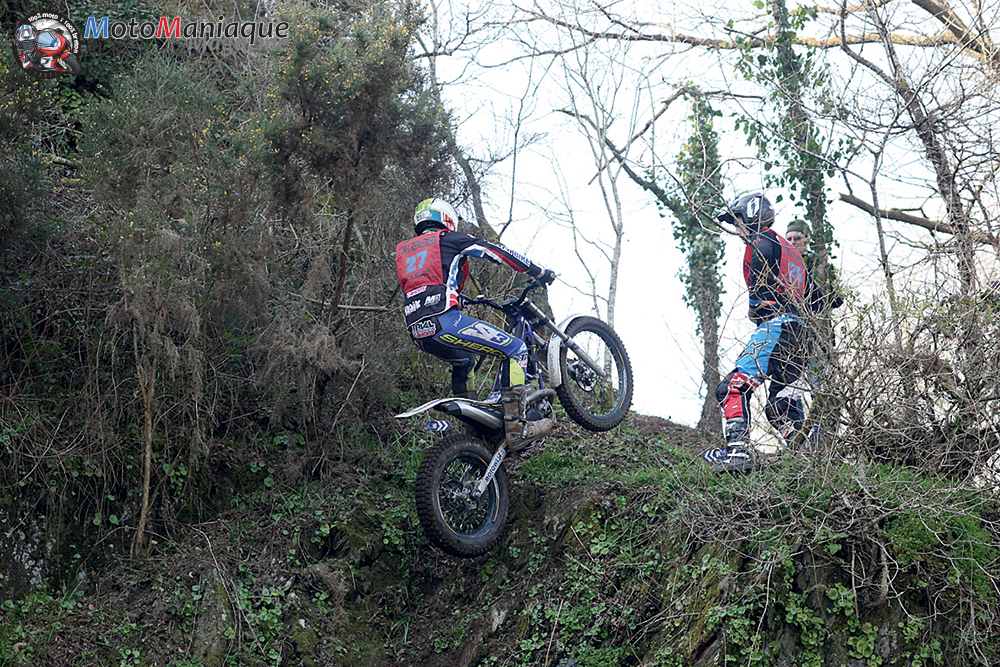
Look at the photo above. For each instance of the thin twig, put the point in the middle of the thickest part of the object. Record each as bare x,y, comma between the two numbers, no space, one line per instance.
553,635
326,304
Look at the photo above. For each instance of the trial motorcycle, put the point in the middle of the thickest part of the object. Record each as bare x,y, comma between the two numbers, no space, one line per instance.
462,488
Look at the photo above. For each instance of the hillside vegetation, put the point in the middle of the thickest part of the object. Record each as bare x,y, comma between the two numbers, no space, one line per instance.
623,551
202,354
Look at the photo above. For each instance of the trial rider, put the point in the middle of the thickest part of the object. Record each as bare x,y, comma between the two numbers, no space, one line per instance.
432,268
781,291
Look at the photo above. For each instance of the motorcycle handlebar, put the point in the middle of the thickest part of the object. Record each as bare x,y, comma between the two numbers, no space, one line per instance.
486,301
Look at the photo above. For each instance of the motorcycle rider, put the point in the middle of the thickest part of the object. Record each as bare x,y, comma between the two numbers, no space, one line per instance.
780,293
432,268
27,40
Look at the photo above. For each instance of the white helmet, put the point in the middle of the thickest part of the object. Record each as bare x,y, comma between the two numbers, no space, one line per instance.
435,212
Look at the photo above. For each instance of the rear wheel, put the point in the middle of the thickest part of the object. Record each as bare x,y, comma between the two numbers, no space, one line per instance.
449,516
593,402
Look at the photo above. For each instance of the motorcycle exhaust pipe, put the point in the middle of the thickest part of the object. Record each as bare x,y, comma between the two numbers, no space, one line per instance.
464,410
488,418
539,394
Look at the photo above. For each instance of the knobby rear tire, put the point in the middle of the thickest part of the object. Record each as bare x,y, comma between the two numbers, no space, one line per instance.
604,406
448,521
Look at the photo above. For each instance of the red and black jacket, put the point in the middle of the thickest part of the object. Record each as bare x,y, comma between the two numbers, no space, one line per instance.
432,269
777,277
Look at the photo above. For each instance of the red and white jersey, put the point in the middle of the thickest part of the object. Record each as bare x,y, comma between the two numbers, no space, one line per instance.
432,269
774,271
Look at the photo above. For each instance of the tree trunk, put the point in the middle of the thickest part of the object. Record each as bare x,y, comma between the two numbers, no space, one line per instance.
711,416
146,375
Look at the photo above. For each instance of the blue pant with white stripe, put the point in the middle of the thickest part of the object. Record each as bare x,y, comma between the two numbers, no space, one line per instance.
458,339
775,352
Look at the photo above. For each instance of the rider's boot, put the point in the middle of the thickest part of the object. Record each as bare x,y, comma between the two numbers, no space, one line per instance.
461,378
520,429
737,455
810,442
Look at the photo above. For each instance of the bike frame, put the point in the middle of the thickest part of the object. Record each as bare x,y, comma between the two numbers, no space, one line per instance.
529,335
525,330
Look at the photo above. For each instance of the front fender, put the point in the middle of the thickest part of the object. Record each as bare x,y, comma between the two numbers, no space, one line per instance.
555,346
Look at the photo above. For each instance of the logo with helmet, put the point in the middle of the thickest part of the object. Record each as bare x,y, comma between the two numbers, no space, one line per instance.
47,45
435,212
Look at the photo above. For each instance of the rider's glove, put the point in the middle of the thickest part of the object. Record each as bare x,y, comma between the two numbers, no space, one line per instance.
547,277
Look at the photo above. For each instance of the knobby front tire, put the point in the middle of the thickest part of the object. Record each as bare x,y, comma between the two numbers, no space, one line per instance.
72,63
452,522
595,403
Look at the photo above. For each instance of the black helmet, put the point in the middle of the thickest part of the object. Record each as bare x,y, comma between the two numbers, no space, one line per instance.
754,209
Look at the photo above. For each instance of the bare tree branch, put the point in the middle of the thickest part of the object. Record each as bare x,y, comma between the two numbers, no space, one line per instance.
634,33
978,42
931,225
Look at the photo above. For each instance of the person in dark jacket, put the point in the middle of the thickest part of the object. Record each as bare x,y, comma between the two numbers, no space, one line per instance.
432,268
780,293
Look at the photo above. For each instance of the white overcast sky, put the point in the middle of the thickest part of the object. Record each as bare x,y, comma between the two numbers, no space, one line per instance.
658,329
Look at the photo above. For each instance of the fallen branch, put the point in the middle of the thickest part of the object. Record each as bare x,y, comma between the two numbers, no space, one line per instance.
55,159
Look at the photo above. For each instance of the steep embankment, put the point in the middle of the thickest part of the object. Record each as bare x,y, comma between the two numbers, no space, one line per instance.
623,551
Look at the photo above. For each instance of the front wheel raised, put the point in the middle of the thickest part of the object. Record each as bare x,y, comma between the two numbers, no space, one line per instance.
593,402
449,516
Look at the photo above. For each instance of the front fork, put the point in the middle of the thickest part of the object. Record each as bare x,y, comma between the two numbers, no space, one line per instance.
569,342
491,471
